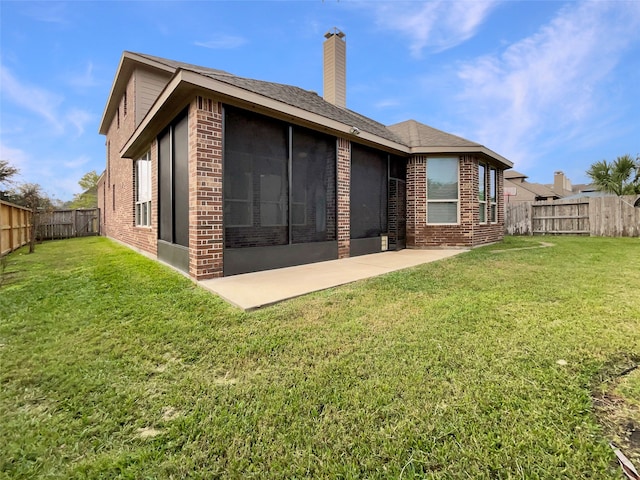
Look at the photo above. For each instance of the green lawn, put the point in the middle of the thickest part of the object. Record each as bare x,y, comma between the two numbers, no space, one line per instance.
479,366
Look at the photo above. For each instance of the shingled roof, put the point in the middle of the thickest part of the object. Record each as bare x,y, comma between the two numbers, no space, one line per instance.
289,94
415,136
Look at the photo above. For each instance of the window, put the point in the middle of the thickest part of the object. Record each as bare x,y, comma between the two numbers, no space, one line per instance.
442,190
124,101
238,186
493,196
299,194
482,193
274,199
143,191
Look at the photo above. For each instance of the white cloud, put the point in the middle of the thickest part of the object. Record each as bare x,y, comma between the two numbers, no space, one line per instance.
43,103
48,12
84,79
222,42
79,119
16,157
387,103
32,98
548,88
437,25
77,162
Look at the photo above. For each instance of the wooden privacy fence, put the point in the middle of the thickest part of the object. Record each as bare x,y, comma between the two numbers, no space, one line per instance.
595,216
68,223
15,227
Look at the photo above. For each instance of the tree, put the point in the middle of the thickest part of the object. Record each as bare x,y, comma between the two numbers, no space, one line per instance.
30,195
7,172
89,196
621,176
89,180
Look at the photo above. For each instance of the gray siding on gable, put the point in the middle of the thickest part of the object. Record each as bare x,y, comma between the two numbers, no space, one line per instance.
148,87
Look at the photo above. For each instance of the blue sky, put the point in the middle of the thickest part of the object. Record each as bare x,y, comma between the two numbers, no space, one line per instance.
549,85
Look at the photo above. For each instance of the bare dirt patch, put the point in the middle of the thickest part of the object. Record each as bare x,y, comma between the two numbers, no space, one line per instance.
148,432
620,418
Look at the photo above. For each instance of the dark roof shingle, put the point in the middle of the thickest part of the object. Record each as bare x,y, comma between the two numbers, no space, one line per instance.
290,95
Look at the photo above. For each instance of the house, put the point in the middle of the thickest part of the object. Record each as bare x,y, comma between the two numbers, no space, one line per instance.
517,189
218,175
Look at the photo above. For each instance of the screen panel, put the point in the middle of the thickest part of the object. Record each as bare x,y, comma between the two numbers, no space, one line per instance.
256,181
181,182
368,192
165,187
313,202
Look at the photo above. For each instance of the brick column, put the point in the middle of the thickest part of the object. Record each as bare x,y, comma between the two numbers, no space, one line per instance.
416,201
205,189
344,197
468,201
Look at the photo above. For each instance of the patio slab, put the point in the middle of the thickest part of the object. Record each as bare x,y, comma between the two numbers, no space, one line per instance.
254,290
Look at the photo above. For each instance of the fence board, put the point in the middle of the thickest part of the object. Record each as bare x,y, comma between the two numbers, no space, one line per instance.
15,227
60,224
518,218
596,216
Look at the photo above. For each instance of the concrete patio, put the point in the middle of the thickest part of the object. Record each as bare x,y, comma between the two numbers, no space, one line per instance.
254,290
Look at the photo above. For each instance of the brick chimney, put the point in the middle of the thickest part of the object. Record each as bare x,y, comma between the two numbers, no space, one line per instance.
335,68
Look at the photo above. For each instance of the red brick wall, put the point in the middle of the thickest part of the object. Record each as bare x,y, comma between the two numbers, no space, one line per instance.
468,232
344,182
205,189
118,197
116,194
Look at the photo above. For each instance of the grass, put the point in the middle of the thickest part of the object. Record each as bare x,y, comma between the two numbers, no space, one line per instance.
479,366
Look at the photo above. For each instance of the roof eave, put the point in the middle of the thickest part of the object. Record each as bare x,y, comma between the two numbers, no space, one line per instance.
478,149
185,84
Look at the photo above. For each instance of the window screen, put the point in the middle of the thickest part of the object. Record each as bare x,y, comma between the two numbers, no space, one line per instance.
313,199
259,207
256,182
369,173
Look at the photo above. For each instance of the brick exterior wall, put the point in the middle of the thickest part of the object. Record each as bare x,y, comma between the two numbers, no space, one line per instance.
116,196
468,232
344,188
205,189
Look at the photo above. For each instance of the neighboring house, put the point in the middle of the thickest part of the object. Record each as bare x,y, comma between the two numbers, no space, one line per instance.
219,175
518,189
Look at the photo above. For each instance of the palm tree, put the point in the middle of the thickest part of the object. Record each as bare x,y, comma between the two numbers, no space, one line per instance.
621,176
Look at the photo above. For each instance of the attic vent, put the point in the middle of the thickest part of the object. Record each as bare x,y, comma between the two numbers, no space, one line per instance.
205,104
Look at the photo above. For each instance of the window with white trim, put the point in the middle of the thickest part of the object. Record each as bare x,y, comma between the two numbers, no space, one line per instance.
442,190
143,191
493,195
482,193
